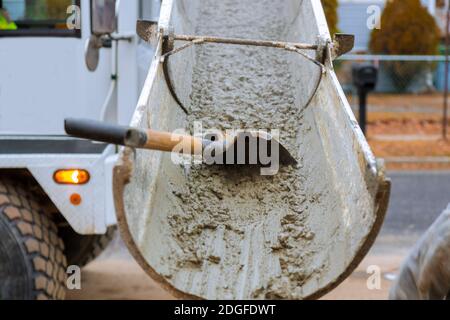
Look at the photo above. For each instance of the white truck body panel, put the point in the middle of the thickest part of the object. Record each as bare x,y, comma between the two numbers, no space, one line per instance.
44,80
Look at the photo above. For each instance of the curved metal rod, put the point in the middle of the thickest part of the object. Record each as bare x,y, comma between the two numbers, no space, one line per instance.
246,42
165,63
304,55
176,50
319,80
194,40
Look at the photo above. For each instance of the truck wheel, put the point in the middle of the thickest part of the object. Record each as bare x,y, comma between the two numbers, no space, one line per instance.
32,263
82,249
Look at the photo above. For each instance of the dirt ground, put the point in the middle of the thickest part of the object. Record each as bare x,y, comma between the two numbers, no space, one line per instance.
410,127
117,280
116,276
403,114
405,154
124,279
408,102
410,123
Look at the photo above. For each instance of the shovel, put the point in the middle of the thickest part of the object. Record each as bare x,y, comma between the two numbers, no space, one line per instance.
171,142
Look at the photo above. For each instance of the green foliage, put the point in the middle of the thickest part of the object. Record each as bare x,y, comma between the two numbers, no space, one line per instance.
406,29
47,9
330,7
56,9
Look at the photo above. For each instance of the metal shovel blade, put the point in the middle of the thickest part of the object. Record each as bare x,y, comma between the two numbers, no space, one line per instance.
249,148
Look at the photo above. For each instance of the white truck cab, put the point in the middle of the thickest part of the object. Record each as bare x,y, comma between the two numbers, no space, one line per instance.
60,59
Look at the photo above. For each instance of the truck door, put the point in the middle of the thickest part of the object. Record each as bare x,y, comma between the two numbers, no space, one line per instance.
43,77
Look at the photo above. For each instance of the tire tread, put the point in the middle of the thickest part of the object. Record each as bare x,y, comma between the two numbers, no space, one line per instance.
38,236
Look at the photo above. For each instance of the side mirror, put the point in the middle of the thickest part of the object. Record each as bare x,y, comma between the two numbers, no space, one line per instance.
103,23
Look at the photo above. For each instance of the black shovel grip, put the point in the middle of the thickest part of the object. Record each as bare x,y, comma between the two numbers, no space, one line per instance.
105,132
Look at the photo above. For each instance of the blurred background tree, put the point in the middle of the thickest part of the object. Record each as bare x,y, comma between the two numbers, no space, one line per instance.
330,7
47,9
56,9
406,29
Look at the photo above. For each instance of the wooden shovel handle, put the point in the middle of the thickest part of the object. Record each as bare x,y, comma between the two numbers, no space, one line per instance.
133,137
170,142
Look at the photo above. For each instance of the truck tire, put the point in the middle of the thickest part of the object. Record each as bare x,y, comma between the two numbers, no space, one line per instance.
82,249
32,262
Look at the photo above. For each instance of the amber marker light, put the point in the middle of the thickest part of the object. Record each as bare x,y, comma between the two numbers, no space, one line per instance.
73,176
75,199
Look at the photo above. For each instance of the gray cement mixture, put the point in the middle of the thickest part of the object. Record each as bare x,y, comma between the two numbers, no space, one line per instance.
232,216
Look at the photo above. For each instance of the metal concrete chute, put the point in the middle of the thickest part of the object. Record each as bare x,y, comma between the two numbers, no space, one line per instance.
249,241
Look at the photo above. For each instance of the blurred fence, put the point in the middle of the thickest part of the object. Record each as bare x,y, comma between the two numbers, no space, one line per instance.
410,90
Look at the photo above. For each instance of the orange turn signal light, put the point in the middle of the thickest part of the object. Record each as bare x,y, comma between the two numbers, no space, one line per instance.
73,176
